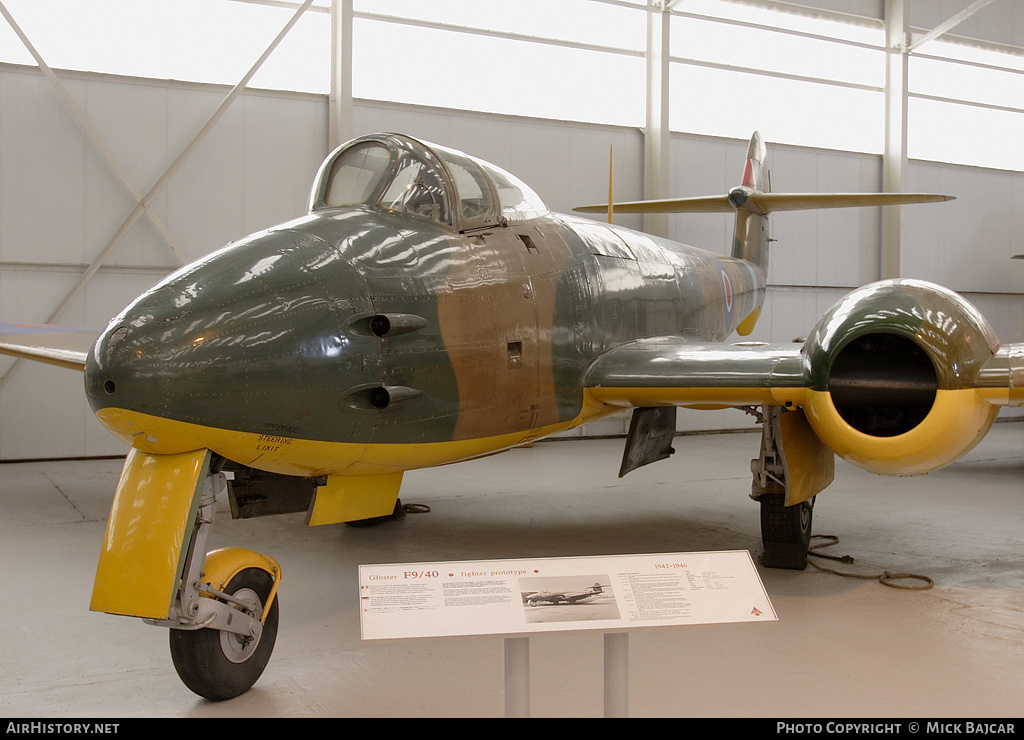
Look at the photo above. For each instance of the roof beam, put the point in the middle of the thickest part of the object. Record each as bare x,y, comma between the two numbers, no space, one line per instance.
918,41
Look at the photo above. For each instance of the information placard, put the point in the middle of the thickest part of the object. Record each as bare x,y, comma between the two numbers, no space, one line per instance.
606,593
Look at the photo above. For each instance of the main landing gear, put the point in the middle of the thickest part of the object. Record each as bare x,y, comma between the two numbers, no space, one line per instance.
786,530
223,623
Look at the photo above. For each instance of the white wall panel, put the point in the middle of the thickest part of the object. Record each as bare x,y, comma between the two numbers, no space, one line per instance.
60,204
967,244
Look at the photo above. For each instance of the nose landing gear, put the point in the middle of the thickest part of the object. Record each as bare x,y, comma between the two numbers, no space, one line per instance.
218,664
223,623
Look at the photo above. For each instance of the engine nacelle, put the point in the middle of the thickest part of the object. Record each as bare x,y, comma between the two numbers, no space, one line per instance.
893,369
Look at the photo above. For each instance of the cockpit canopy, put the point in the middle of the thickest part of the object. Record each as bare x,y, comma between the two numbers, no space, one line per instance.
404,175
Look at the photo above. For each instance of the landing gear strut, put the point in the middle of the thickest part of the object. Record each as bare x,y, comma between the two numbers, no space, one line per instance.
223,622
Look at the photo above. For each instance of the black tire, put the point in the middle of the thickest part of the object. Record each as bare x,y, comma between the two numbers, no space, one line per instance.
785,531
221,665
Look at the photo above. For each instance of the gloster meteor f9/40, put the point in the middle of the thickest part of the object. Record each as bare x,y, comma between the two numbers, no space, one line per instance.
429,309
555,598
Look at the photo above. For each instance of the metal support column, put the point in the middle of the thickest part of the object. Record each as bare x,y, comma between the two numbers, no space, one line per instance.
656,133
616,674
517,677
894,158
340,125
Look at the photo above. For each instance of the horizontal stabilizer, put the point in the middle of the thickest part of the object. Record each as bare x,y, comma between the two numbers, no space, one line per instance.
55,345
766,202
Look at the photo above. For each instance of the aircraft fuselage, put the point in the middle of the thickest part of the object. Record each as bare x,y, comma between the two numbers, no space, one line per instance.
358,337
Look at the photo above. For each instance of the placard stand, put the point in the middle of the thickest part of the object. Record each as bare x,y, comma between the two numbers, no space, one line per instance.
616,676
517,677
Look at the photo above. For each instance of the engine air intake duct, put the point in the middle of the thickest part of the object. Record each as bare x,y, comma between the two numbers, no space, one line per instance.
893,371
883,384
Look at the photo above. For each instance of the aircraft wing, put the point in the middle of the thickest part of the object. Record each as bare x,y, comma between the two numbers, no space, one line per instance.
55,345
670,371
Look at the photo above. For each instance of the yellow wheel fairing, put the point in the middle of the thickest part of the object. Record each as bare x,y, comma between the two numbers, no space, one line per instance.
224,564
146,539
957,421
810,464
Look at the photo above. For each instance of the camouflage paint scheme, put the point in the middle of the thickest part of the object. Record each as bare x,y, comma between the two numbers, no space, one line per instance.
271,336
373,337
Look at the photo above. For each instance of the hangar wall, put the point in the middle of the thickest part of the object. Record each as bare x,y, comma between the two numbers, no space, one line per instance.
60,204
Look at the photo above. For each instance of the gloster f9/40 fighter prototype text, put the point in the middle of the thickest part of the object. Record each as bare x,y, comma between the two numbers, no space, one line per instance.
429,309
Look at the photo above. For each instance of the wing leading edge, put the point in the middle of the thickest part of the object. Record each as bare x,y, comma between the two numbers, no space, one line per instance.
55,345
670,371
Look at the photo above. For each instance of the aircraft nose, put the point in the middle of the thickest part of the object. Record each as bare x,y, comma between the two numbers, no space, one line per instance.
251,338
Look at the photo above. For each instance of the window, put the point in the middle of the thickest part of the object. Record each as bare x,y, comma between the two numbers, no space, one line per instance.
518,201
800,80
476,204
212,41
356,174
966,105
417,188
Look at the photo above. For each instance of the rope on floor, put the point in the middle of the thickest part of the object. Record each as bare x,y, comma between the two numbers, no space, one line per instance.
887,578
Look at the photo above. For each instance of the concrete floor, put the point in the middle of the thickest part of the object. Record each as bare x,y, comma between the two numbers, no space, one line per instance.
842,647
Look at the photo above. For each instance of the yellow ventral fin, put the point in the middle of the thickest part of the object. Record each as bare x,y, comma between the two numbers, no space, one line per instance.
349,498
747,326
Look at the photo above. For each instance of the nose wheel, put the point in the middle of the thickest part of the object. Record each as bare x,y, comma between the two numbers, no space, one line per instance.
218,664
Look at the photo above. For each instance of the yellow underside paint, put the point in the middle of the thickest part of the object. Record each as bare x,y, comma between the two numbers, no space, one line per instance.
747,326
957,421
145,543
1003,396
224,564
348,498
698,398
308,458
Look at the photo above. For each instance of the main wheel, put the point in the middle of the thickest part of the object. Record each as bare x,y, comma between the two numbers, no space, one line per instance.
785,531
222,665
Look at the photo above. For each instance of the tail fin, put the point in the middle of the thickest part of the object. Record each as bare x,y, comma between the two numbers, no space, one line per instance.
750,235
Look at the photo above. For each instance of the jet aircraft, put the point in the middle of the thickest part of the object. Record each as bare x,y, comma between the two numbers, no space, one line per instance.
562,597
429,309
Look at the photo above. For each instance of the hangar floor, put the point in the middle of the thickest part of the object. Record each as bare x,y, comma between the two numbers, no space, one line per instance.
841,647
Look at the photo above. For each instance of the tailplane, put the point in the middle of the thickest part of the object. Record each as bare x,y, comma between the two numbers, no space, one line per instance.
751,204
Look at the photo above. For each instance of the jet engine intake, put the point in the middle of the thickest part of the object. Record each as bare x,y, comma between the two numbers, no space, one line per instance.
893,370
